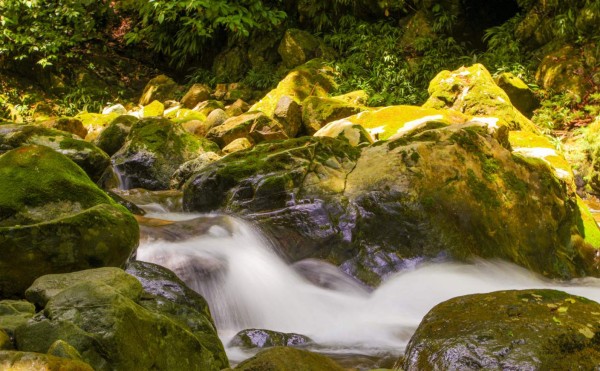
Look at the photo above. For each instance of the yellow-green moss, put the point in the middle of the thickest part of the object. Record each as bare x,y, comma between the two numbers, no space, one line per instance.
182,115
95,122
590,232
155,108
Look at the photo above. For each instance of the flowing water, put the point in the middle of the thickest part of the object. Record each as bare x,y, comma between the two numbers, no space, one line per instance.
247,285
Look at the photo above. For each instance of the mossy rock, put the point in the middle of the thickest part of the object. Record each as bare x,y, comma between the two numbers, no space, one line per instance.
319,111
196,94
259,338
160,88
521,96
358,97
182,115
14,313
111,139
388,121
186,170
472,91
14,360
237,145
560,71
515,330
89,157
94,123
54,219
313,78
241,127
153,109
5,343
286,358
297,47
111,327
70,125
154,150
344,130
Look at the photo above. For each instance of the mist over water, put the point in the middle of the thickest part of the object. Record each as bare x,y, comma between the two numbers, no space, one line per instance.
247,285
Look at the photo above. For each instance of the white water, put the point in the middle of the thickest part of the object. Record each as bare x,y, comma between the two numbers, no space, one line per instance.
248,286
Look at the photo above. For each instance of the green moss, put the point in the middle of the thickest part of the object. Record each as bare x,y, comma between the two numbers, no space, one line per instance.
588,227
515,184
481,191
490,168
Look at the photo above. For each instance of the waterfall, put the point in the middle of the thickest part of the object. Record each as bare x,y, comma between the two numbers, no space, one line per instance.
247,285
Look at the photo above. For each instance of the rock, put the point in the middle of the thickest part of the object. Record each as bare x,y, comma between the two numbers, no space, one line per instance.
312,78
61,348
94,123
237,108
89,157
111,139
5,343
508,330
328,276
238,127
197,93
521,96
237,145
473,92
160,88
12,360
70,125
319,111
443,189
154,150
188,169
231,64
113,328
54,219
259,338
401,120
267,129
298,47
208,106
153,109
288,114
562,71
14,313
357,97
215,118
286,358
182,115
345,130
166,294
238,91
117,108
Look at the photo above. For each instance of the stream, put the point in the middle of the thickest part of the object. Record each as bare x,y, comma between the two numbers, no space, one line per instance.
247,285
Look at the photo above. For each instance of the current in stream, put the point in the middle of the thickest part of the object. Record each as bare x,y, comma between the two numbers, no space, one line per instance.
247,285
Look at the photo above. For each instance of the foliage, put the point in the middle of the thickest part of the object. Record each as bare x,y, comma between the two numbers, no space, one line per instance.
180,29
263,77
560,112
372,60
45,31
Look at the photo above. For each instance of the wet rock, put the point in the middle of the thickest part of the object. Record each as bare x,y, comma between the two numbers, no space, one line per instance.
286,358
509,330
116,322
154,150
160,88
328,276
111,139
259,338
54,219
13,360
186,170
89,157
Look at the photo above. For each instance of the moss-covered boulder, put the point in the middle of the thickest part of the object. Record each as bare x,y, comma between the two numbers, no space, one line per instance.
186,170
312,78
14,313
508,330
112,138
196,94
153,109
160,88
472,91
54,219
298,47
452,189
259,338
94,123
288,114
154,150
345,130
181,115
13,360
116,322
262,127
386,122
319,111
521,96
89,157
286,358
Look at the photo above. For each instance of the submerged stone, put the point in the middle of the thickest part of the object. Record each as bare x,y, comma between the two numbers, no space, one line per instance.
259,338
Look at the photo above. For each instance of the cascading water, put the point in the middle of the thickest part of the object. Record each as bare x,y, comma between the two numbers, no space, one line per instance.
248,286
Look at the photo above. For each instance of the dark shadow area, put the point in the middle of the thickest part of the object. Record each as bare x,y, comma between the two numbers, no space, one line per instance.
480,15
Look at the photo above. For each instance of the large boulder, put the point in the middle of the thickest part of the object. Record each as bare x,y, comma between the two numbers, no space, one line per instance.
286,358
115,322
472,91
54,219
508,330
298,47
94,123
154,150
312,78
89,157
112,138
160,88
319,111
260,338
456,190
